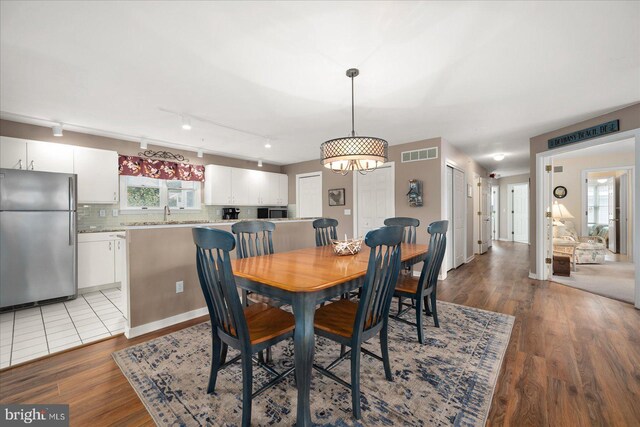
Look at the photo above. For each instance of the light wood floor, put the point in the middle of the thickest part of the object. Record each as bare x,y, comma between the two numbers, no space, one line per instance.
573,359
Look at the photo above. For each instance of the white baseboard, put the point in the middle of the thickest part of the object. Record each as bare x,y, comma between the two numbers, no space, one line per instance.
163,323
471,258
533,276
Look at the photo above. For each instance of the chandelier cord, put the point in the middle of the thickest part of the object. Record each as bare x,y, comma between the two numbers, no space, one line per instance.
353,126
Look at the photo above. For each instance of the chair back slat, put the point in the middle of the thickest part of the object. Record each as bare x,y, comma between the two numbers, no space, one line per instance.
433,262
254,238
410,226
217,281
325,231
382,275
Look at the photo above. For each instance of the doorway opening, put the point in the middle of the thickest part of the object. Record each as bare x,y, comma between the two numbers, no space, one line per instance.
589,231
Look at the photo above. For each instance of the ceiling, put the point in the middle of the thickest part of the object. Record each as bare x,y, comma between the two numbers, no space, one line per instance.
485,76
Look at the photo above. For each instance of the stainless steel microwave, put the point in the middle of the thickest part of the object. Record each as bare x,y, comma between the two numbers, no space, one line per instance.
272,212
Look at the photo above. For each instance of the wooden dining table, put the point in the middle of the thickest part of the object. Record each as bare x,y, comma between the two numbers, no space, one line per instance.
305,278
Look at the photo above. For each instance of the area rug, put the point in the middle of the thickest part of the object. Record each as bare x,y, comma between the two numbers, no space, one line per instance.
448,381
612,279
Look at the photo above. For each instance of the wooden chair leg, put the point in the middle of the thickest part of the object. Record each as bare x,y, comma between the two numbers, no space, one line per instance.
434,309
419,320
223,356
245,300
355,382
399,305
216,362
269,355
384,347
247,389
343,349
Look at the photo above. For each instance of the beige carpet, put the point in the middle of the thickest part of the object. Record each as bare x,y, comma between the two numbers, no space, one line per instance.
612,279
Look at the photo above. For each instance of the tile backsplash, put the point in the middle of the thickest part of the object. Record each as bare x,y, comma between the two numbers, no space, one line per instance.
89,215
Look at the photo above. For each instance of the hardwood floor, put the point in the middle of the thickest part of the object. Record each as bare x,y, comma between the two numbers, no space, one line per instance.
573,358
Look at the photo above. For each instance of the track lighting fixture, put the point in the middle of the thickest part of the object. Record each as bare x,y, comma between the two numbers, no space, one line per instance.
57,130
200,153
259,163
143,144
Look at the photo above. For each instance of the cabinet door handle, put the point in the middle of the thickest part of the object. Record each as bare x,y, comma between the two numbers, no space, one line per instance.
109,245
19,163
118,244
114,196
31,164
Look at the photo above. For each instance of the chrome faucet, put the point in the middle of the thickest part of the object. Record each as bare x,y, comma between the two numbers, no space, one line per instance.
167,212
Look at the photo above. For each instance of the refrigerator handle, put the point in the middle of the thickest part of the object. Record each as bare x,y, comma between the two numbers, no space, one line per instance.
72,195
72,203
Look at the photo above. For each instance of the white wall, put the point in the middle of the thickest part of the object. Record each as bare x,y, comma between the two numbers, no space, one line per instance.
504,204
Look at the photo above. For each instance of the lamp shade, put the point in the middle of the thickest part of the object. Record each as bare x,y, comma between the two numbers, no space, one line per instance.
558,211
354,153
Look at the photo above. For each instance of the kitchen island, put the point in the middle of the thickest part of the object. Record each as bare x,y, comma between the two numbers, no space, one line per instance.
160,255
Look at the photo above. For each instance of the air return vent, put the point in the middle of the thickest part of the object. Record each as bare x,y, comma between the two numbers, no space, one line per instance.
557,169
422,154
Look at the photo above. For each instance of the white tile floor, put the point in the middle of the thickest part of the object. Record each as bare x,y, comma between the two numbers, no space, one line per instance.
35,332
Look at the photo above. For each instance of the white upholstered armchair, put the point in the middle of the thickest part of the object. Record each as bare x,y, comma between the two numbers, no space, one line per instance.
588,249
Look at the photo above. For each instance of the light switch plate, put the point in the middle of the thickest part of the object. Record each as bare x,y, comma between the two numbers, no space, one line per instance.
114,212
102,213
179,287
347,211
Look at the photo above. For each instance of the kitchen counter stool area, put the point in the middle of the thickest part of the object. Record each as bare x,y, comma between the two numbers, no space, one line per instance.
35,332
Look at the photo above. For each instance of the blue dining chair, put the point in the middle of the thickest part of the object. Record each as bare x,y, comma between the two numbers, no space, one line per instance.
247,329
325,231
351,323
423,290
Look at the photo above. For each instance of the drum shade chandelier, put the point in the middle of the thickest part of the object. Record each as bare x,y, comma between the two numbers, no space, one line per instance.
354,153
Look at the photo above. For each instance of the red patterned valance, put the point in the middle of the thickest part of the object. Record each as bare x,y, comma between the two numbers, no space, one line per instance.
161,169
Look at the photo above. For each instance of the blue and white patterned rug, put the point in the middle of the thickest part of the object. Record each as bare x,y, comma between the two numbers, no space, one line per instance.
448,381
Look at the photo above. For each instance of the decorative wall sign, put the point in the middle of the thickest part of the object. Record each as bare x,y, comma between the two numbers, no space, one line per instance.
584,134
336,197
166,155
560,192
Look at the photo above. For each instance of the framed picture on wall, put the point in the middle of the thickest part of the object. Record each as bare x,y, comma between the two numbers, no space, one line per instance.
336,197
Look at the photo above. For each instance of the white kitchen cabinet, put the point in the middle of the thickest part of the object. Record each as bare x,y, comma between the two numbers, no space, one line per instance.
244,187
217,185
240,183
13,153
41,156
96,263
49,157
97,172
283,189
102,259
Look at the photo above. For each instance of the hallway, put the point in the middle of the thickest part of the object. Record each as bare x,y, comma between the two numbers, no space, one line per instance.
572,360
573,357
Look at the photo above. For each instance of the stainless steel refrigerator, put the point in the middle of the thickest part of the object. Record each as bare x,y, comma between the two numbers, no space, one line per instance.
38,245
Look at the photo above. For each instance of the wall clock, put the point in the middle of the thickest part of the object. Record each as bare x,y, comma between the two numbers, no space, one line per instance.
560,192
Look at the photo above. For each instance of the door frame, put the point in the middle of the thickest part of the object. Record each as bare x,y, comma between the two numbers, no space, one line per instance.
496,215
631,170
444,209
392,165
306,175
543,201
510,209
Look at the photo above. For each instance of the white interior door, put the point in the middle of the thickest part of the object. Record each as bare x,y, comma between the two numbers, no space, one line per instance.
495,209
623,218
449,252
375,199
309,190
485,215
520,212
459,221
613,218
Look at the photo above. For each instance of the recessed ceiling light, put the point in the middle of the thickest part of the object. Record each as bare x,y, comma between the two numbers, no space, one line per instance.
57,130
498,157
186,123
267,145
259,163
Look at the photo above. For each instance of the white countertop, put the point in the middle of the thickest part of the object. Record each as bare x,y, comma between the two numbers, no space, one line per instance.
155,225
